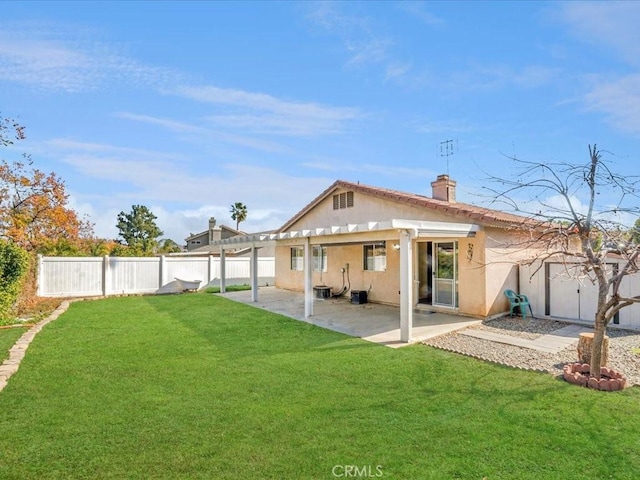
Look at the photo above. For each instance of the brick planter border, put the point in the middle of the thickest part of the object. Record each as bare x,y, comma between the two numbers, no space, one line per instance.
578,374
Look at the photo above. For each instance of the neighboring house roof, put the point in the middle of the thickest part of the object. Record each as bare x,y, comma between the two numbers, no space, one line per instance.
206,232
215,249
481,215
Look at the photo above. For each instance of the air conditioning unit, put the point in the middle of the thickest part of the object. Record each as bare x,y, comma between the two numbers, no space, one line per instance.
358,296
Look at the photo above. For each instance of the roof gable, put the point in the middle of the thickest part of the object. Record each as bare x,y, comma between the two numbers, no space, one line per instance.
458,211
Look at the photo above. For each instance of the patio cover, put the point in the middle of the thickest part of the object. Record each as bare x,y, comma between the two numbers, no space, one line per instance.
407,231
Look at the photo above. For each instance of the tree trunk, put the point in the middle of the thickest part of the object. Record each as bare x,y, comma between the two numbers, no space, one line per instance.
598,341
585,346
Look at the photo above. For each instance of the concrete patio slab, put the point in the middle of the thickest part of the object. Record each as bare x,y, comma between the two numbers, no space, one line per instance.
372,322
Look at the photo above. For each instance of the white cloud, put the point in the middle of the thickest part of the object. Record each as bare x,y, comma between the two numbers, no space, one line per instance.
368,50
619,100
613,28
201,133
496,76
444,126
46,57
263,113
395,70
382,170
419,10
360,36
88,147
608,25
159,179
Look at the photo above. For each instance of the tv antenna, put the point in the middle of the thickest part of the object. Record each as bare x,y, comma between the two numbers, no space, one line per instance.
447,149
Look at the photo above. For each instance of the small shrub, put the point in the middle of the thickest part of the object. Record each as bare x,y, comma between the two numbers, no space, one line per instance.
14,264
229,288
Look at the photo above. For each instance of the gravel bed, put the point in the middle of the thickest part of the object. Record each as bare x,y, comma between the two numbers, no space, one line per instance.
621,345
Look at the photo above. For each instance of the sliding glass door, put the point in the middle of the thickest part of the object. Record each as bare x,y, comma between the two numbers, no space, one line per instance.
445,274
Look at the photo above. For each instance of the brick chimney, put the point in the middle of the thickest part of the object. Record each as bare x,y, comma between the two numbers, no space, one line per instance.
215,233
444,189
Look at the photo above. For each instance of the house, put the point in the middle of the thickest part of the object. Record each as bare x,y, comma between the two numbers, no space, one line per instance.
196,241
400,248
203,242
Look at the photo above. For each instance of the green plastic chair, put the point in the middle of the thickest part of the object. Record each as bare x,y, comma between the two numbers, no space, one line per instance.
521,302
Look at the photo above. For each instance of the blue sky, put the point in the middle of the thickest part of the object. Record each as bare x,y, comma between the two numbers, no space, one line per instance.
188,107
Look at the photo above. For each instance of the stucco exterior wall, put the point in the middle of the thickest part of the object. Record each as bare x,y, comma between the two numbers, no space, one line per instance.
471,276
366,208
383,287
487,263
505,249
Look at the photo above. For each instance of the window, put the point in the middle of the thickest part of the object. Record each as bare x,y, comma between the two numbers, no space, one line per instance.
195,242
297,258
375,257
343,200
319,259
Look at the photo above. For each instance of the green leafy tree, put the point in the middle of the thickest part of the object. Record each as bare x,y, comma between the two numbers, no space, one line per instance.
14,264
238,213
138,230
166,245
634,233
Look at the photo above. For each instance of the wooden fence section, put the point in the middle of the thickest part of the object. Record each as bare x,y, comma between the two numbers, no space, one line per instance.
103,276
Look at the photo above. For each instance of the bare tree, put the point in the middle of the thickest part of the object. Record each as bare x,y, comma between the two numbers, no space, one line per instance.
577,212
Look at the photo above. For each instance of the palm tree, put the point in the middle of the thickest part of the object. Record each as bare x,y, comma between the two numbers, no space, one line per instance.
238,213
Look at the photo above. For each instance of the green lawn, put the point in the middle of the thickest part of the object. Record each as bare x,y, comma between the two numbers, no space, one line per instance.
8,337
196,386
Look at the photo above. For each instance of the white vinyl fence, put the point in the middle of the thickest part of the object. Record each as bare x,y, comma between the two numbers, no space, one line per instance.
95,276
554,290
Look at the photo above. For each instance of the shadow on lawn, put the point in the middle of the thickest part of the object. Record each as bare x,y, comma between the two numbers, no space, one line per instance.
242,330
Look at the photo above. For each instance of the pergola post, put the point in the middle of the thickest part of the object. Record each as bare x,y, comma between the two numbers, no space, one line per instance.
406,287
308,279
254,273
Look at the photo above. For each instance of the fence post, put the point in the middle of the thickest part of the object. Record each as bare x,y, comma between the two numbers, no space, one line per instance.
39,277
162,271
106,278
223,271
210,270
253,269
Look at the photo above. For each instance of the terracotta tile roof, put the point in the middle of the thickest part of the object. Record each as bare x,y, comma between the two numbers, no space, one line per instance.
463,211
